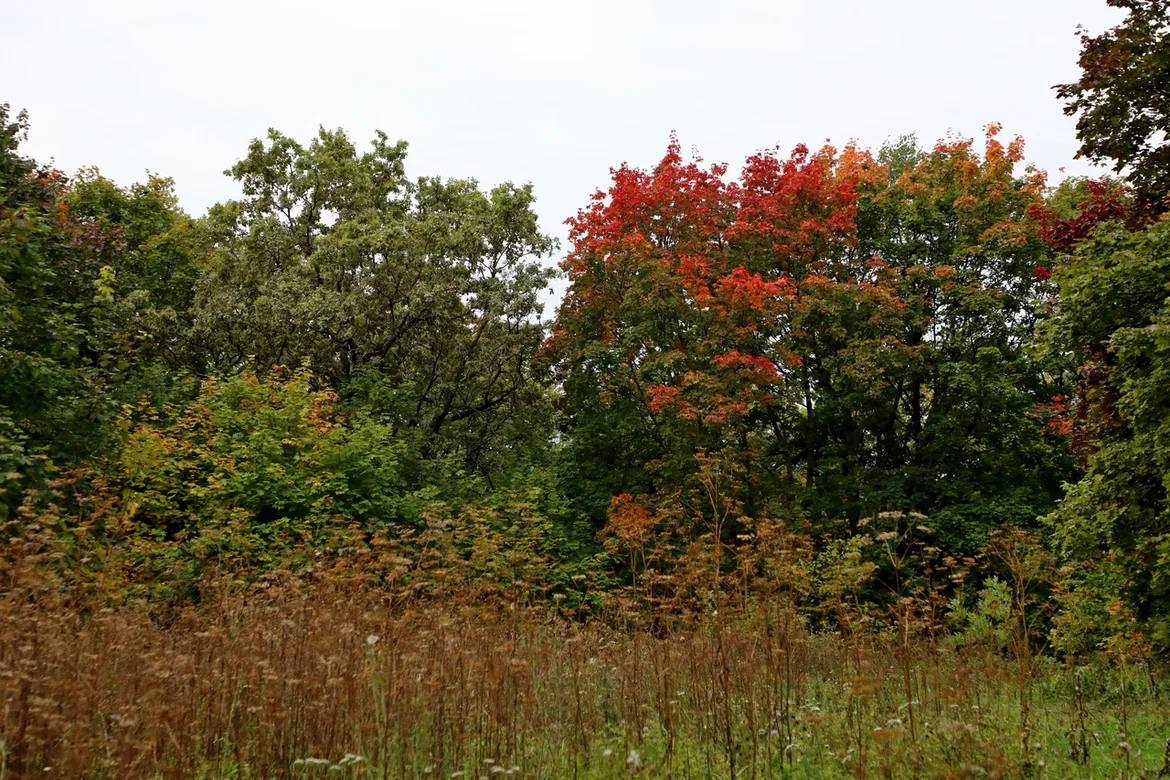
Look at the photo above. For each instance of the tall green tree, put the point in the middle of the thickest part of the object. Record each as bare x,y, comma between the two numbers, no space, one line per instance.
418,298
1113,525
51,407
147,251
954,423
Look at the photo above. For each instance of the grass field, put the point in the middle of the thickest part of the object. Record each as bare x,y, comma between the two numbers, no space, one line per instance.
325,684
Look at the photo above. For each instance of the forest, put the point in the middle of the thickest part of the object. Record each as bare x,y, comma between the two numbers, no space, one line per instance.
837,462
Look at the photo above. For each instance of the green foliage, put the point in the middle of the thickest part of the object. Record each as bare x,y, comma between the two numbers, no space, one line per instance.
951,412
840,573
95,288
275,454
417,298
148,251
988,622
258,476
49,404
1115,521
1093,606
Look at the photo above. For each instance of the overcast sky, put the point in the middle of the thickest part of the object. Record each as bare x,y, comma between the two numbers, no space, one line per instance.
529,90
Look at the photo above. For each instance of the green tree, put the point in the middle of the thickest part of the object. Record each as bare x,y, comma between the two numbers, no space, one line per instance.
948,395
417,298
147,252
1114,524
51,404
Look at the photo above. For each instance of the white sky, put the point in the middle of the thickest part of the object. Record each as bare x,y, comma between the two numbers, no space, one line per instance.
529,90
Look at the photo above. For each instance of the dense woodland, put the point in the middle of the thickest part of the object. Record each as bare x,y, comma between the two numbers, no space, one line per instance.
921,390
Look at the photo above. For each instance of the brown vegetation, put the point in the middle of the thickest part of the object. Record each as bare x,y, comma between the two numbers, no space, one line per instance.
289,680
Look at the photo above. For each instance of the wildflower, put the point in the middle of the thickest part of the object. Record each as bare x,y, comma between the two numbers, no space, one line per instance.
634,762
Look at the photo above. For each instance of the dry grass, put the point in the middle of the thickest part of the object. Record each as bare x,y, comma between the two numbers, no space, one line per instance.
297,682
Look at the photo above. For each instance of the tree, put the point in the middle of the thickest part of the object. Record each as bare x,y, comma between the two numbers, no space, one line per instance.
1122,99
1113,524
146,252
419,299
667,340
955,394
51,406
846,335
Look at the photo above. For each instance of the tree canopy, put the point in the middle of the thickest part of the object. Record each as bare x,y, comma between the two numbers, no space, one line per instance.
830,375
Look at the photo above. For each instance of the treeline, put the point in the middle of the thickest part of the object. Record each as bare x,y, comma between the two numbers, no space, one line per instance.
904,381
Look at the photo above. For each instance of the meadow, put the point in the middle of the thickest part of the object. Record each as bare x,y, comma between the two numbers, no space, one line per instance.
295,682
